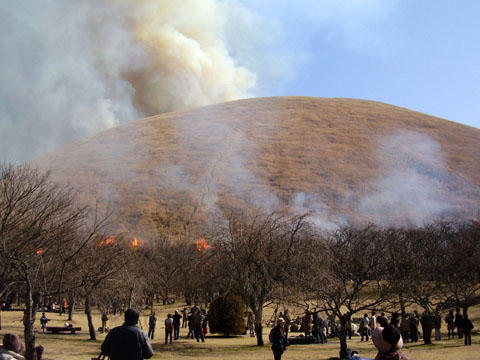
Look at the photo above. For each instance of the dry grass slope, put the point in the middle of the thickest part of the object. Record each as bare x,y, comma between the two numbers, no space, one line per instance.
335,156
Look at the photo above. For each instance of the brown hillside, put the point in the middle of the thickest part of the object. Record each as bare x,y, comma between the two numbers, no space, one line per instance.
345,159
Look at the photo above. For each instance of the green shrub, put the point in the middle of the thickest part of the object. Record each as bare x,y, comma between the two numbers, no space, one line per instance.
226,315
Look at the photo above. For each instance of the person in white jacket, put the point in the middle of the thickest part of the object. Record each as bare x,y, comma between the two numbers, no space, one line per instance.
12,346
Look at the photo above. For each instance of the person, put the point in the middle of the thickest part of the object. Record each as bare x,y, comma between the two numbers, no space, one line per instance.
394,320
349,328
427,321
437,325
316,328
11,347
191,325
39,350
43,321
278,339
307,325
152,323
382,320
388,343
184,317
288,321
63,306
198,318
459,323
467,327
127,342
104,321
323,325
373,322
176,325
405,328
413,328
364,322
168,328
251,324
449,319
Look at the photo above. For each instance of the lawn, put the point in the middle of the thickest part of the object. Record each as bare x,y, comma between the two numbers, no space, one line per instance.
69,347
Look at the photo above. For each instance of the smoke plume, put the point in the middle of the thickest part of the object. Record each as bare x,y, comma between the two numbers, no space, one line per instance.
77,68
417,187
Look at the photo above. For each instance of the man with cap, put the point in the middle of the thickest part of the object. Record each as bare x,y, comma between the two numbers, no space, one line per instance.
127,342
388,342
278,339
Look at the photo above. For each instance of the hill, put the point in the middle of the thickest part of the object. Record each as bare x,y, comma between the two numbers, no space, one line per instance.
344,159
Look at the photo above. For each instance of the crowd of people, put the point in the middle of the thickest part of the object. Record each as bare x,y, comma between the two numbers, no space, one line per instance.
388,334
195,321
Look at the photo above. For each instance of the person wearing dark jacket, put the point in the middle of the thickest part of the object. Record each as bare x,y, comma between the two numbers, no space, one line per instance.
459,323
152,323
176,325
278,339
127,342
467,327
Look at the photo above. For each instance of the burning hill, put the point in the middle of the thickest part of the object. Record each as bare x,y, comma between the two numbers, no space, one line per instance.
342,159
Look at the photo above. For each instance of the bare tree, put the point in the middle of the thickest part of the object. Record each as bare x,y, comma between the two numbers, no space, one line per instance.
41,231
347,275
99,261
254,257
459,272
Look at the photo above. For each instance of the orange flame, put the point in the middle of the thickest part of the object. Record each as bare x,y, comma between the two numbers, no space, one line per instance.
202,245
135,242
40,251
109,240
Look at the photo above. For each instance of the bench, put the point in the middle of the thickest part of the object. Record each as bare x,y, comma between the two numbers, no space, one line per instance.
301,340
59,329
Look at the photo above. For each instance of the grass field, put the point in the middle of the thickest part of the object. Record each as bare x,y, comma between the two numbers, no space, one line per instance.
69,347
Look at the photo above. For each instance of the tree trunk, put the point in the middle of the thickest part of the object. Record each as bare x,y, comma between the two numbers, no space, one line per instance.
71,302
258,312
88,312
28,323
342,335
401,300
130,297
188,299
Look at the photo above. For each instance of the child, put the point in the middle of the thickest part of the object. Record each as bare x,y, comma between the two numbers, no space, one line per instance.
43,322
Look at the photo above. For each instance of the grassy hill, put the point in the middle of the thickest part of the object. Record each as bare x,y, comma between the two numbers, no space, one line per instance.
344,159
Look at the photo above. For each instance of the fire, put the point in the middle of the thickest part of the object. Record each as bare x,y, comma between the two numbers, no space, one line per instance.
109,240
202,245
135,242
40,251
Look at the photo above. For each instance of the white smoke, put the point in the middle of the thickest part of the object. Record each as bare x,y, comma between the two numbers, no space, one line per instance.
70,69
417,187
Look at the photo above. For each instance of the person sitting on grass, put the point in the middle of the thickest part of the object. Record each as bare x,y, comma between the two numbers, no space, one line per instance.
11,347
388,342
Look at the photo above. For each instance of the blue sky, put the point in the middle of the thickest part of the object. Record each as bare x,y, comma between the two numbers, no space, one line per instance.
71,69
419,54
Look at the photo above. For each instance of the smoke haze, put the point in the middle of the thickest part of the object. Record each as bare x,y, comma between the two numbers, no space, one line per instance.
418,188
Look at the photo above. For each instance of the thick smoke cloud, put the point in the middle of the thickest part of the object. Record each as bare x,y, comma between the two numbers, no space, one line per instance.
73,69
